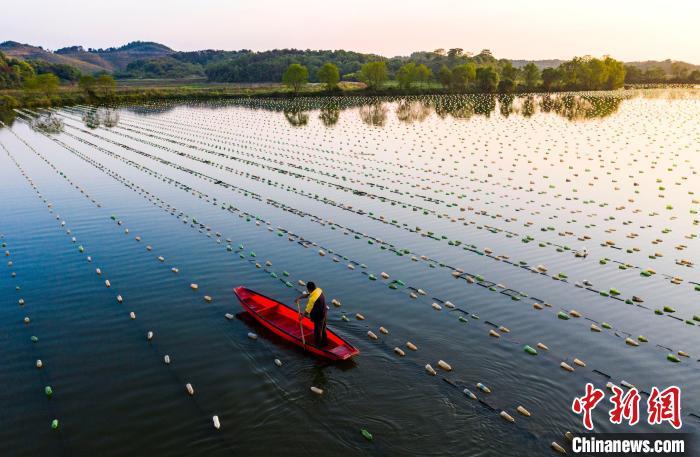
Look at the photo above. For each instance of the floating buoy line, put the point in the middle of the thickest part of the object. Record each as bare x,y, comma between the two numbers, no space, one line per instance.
481,281
170,139
43,373
608,327
189,387
49,390
467,247
569,312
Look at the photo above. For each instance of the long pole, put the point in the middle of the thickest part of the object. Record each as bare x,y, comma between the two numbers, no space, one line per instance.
301,326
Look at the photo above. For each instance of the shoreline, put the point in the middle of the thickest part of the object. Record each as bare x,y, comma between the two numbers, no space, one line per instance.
125,94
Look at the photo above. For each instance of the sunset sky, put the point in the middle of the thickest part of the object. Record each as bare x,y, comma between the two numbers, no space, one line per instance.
536,29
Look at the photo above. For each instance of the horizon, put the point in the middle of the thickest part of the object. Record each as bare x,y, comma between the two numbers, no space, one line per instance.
658,33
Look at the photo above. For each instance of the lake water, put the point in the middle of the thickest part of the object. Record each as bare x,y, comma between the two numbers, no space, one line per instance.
477,201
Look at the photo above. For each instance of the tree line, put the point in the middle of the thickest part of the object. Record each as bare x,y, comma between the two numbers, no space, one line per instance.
580,73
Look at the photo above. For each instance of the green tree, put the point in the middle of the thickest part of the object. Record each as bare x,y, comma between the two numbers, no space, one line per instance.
595,74
445,76
462,75
508,71
105,85
406,75
23,70
633,74
487,79
655,74
87,85
551,77
679,70
531,75
329,75
616,73
374,74
423,74
694,76
506,86
46,84
296,76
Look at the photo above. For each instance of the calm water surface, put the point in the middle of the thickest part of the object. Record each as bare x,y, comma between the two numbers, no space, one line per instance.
479,201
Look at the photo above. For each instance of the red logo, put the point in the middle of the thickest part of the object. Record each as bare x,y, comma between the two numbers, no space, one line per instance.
662,406
625,406
587,404
665,406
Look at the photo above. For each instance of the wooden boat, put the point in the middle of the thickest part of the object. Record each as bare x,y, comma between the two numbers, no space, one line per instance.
284,322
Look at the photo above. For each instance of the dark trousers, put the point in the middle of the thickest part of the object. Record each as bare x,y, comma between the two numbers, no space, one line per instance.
320,338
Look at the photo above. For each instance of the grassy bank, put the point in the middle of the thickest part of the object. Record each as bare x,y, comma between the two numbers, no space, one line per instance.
144,91
155,90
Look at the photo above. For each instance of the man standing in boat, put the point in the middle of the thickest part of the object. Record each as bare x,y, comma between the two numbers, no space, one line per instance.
317,311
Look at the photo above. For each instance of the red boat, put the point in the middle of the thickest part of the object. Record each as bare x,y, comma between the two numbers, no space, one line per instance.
284,322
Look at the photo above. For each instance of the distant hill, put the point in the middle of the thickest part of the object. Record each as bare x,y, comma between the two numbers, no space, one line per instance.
147,59
29,52
664,64
90,60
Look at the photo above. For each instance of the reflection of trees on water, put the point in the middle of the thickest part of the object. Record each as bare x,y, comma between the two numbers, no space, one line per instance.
571,106
413,110
528,106
374,110
159,108
577,107
505,102
7,118
374,114
93,117
296,117
48,123
329,115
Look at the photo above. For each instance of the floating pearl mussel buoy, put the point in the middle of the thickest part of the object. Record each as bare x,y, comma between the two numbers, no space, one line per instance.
431,371
507,417
566,366
523,411
558,448
483,388
444,365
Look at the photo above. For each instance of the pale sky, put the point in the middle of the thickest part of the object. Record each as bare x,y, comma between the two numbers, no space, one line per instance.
518,29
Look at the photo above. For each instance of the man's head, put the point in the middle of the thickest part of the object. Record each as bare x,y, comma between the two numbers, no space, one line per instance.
310,286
